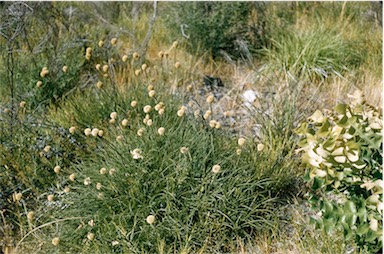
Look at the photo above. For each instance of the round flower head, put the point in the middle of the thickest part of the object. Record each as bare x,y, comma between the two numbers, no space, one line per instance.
175,44
65,68
105,75
151,93
137,72
177,65
72,177
87,181
17,196
218,125
112,121
114,243
95,132
112,171
113,41
88,57
67,189
180,113
100,133
157,107
90,236
207,114
39,84
119,138
98,66
161,54
99,85
98,186
22,104
212,123
105,68
189,88
150,88
210,99
124,58
101,44
241,141
140,132
183,108
88,50
144,67
113,115
72,129
184,150
216,169
238,151
136,154
150,219
147,109
103,171
87,131
135,55
100,195
196,113
161,111
161,131
149,122
50,197
44,72
55,241
227,114
30,215
124,122
57,169
47,149
133,104
260,147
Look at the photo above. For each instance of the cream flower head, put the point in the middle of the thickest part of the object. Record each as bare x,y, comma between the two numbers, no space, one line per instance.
22,104
180,113
98,66
87,131
72,177
177,65
151,93
65,68
105,68
161,111
30,215
135,55
216,169
99,85
119,138
124,122
136,154
113,115
50,197
184,150
113,41
101,44
147,109
103,171
39,84
55,241
124,58
150,219
161,131
144,67
56,169
72,129
241,141
140,132
210,99
47,149
133,104
87,181
260,147
94,132
90,236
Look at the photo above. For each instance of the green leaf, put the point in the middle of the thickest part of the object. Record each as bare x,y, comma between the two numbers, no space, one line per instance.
343,122
362,229
341,108
350,207
317,183
329,224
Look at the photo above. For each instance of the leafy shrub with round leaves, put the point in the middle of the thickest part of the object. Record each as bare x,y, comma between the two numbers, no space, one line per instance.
343,152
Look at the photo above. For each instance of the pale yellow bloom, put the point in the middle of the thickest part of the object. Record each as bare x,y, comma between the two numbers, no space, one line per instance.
44,72
113,41
88,50
112,171
103,171
152,93
55,241
238,151
207,114
87,131
98,186
135,55
161,54
99,85
17,196
177,65
136,154
150,219
113,115
161,131
218,125
119,138
88,57
210,99
147,109
373,224
144,67
133,104
87,181
65,68
189,88
57,169
137,72
105,68
98,66
212,123
94,132
101,44
124,58
112,121
30,215
227,114
149,122
72,177
175,44
216,169
90,236
124,122
161,111
184,150
241,141
72,129
196,113
47,149
22,104
67,189
39,84
100,133
260,147
180,113
140,132
100,195
50,197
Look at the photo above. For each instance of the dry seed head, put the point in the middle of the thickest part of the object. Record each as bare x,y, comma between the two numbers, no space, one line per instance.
144,67
161,131
87,181
137,72
22,104
175,44
50,197
39,84
72,129
101,44
124,122
47,149
72,177
99,85
30,215
57,169
98,66
150,88
113,41
216,169
177,65
112,171
210,99
105,68
241,141
65,68
113,115
184,150
124,58
55,241
150,219
103,171
152,93
17,196
161,54
135,55
95,132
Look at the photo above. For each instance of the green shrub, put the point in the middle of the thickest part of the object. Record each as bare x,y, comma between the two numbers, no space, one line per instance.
343,151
